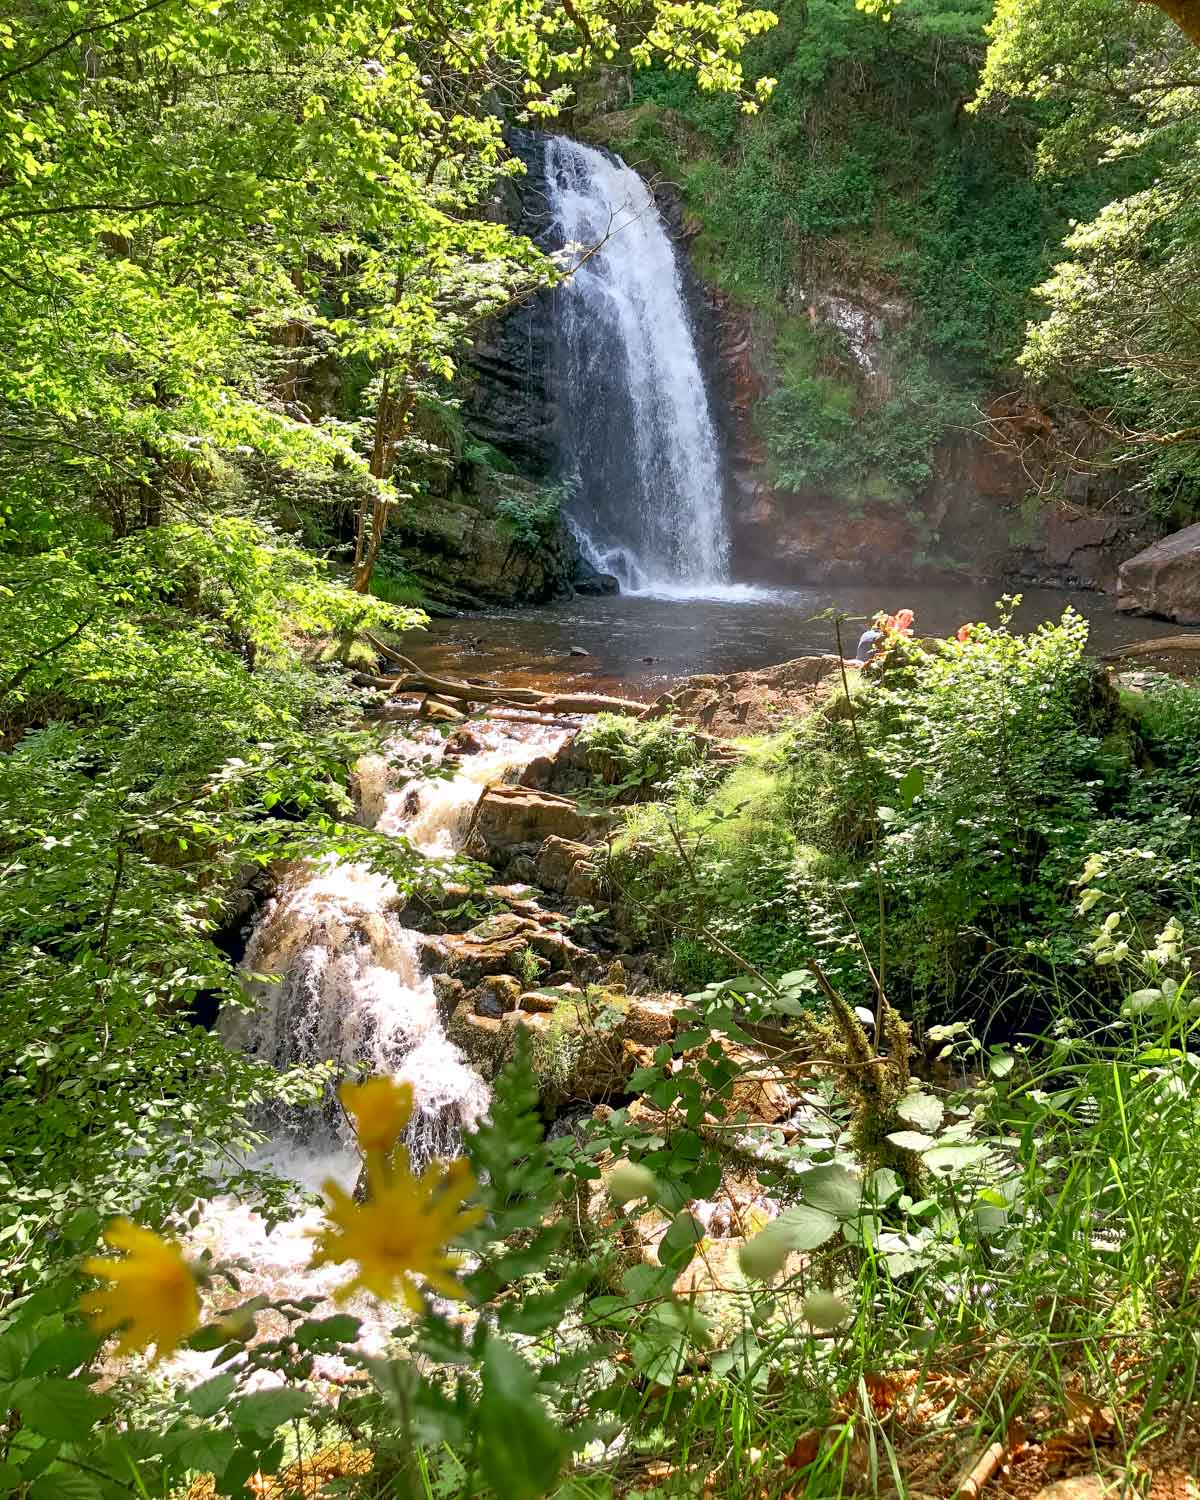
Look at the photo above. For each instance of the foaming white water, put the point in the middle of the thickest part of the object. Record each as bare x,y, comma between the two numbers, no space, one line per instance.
649,506
343,976
346,984
718,593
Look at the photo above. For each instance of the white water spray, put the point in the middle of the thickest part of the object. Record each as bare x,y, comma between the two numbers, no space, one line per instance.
347,986
638,431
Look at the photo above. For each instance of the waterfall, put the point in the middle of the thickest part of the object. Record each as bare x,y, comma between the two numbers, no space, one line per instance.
638,439
335,975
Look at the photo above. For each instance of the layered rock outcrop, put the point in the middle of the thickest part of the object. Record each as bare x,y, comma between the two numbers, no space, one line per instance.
463,551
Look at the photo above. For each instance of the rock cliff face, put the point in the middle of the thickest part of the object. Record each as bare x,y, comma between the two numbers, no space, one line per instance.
510,404
464,541
975,507
975,517
464,553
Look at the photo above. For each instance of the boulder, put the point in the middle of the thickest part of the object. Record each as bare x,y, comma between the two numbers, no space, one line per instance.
483,1041
540,1002
518,820
585,883
650,1020
1164,578
497,995
564,954
465,741
556,860
449,993
490,948
748,702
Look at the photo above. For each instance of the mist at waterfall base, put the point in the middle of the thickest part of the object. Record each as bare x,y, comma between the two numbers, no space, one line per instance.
639,444
348,987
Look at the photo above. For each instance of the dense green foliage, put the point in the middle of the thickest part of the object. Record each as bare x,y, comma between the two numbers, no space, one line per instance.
865,177
243,248
1119,337
209,214
871,177
1061,1179
998,766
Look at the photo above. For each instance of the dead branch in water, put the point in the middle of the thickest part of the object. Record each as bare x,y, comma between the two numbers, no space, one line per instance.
416,681
1159,643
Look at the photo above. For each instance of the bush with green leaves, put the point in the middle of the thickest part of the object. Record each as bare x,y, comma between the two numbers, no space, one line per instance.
531,516
641,757
967,781
1056,1174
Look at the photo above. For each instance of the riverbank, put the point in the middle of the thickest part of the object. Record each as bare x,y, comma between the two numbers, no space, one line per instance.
640,645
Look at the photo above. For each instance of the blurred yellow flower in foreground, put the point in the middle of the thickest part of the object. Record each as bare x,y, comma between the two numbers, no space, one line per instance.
152,1297
402,1228
380,1108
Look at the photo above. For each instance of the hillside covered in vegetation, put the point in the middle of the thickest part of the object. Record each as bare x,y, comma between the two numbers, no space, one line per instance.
915,254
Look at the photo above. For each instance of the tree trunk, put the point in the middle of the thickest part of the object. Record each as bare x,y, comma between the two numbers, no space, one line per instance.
1185,14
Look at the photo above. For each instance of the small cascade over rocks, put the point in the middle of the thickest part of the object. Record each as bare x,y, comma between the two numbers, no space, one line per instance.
347,986
346,983
638,439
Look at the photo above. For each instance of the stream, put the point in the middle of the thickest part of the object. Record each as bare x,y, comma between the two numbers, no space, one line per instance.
351,983
350,987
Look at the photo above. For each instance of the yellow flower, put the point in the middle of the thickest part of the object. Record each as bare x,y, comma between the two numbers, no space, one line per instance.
402,1228
381,1108
153,1296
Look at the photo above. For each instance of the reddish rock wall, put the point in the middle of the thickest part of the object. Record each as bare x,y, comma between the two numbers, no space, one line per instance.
981,509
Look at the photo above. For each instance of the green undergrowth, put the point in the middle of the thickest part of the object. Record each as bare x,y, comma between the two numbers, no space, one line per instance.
635,758
968,783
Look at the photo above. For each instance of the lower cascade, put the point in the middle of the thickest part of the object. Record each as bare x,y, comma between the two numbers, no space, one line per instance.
641,447
338,977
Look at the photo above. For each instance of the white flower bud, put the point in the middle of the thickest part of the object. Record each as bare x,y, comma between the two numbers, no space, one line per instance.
764,1255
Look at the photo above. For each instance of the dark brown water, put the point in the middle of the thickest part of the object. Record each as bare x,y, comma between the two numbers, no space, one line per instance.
639,644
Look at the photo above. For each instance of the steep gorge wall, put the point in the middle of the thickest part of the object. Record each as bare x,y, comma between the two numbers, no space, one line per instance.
979,514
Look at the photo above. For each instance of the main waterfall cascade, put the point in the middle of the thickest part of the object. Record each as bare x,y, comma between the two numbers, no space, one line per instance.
343,982
638,439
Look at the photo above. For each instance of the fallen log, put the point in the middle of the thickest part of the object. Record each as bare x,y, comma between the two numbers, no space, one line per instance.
1159,643
511,697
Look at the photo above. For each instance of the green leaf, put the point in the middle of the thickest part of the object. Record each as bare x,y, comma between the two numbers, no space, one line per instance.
658,1359
208,1449
911,1140
911,785
521,1450
922,1111
63,1409
833,1189
63,1352
341,1328
209,1397
949,1160
678,1245
805,1227
262,1412
645,1283
66,1484
883,1185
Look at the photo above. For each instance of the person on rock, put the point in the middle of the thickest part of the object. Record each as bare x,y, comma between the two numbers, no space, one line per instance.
901,623
871,638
